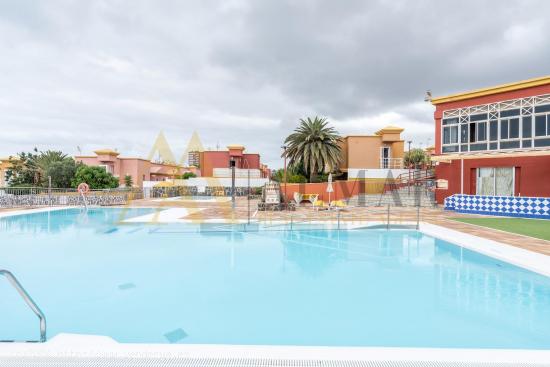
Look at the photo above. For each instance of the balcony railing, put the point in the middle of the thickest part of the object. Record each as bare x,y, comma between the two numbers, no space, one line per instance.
391,163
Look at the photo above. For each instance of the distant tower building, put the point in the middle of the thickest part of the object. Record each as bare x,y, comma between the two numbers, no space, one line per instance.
194,158
193,150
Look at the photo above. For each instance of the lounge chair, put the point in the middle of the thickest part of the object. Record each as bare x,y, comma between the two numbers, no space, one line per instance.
338,205
319,205
298,197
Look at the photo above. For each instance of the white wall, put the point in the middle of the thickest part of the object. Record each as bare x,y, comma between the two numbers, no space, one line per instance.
212,182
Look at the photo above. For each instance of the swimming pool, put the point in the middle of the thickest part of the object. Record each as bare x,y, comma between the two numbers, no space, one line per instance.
92,274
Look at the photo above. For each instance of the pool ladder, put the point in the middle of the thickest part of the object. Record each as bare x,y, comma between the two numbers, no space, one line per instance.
30,302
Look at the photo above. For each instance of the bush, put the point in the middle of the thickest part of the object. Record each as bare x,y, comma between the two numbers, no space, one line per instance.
188,175
95,177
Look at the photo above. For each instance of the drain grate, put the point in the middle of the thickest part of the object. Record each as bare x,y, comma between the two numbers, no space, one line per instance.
230,362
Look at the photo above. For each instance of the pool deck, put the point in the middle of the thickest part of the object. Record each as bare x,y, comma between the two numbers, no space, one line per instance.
398,215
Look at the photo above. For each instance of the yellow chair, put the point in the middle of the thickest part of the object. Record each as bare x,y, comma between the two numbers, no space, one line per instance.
319,205
338,205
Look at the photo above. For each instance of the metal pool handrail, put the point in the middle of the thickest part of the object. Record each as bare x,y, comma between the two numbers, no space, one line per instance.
28,300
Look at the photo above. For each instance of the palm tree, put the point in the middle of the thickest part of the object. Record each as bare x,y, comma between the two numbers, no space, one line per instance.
314,145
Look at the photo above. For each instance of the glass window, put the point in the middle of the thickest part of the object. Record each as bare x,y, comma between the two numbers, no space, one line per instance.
495,181
454,134
450,148
493,130
446,135
540,125
472,133
514,129
526,126
478,146
504,181
479,117
485,181
482,131
542,142
450,121
544,108
512,144
504,129
509,113
464,133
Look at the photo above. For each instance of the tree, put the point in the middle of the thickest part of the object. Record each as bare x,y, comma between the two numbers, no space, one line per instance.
61,172
95,177
128,182
33,169
23,170
315,146
415,157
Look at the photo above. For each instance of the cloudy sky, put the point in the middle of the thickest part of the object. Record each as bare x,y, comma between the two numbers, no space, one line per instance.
98,74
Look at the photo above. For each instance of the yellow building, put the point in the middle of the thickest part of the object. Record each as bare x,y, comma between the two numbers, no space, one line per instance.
5,164
373,156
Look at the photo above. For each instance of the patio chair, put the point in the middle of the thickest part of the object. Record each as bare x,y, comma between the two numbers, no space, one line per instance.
298,198
338,205
319,205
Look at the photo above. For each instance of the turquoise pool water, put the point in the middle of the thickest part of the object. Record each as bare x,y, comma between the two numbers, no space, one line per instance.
91,274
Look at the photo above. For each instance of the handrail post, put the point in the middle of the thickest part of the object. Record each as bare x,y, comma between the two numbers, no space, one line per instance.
388,218
338,215
28,300
291,222
418,217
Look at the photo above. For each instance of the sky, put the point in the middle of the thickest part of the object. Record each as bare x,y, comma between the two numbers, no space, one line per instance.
82,75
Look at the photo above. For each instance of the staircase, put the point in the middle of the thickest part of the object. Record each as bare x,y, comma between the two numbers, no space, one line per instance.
409,189
405,196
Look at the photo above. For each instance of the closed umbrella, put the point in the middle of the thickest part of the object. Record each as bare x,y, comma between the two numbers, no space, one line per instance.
329,186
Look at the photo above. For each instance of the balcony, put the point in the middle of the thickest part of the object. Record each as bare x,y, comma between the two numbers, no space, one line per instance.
391,163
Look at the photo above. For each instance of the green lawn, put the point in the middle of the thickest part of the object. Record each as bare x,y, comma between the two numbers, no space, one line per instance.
538,228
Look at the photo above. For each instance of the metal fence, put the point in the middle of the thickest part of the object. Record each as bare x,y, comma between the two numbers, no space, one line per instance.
11,197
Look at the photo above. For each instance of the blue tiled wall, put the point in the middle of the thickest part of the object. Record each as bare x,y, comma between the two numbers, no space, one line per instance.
509,206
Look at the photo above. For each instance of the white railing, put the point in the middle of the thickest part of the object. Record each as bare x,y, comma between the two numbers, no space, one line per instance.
391,163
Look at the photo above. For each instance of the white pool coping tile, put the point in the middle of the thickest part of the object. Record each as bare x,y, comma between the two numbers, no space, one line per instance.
89,346
534,261
11,213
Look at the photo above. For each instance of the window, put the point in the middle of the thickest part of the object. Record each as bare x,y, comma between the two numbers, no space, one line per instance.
482,131
497,181
450,135
542,125
526,126
493,130
509,129
504,129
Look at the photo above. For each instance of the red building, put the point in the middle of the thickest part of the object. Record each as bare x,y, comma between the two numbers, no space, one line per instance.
494,141
216,163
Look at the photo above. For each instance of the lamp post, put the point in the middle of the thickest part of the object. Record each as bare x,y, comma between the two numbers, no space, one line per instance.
409,167
284,173
232,166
